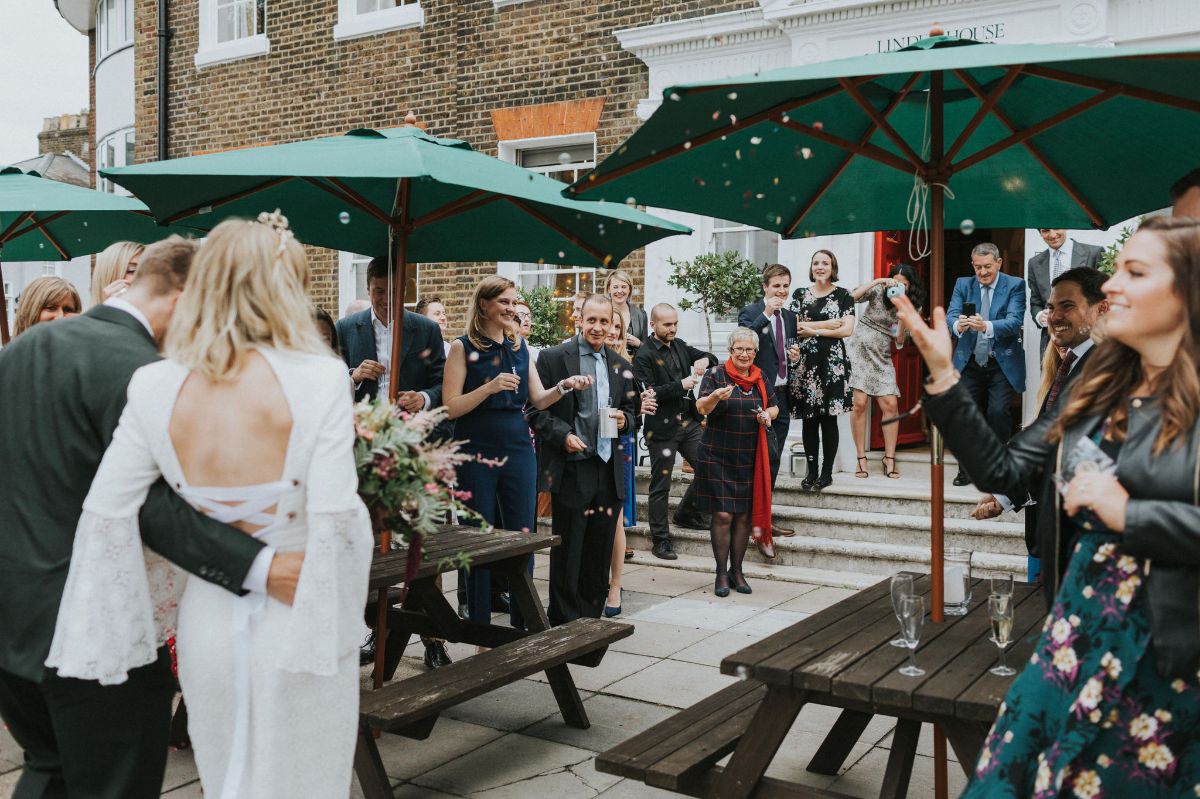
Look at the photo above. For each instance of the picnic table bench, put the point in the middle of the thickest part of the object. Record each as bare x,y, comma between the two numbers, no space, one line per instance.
410,707
839,657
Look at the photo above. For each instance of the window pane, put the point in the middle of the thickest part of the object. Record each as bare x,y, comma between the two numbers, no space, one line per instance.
245,19
556,156
129,141
367,6
226,30
129,21
260,17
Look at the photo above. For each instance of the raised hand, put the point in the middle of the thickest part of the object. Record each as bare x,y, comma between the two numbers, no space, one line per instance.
934,343
723,393
505,381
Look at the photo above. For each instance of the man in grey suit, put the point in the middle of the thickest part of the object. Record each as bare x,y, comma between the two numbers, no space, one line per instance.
62,389
1064,253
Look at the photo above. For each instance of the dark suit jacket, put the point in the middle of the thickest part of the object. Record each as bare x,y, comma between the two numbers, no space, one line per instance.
767,359
62,389
554,424
675,408
1007,315
639,322
423,358
1038,276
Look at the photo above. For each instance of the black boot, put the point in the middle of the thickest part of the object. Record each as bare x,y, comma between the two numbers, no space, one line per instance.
810,479
826,478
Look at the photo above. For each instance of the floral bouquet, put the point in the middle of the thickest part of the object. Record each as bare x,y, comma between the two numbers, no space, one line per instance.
406,480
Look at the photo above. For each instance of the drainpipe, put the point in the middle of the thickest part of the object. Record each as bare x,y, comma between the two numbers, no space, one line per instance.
164,37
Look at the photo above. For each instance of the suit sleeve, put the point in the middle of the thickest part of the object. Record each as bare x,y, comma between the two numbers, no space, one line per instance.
643,370
630,399
435,365
754,321
343,332
549,429
1094,253
957,298
695,354
1009,328
1037,303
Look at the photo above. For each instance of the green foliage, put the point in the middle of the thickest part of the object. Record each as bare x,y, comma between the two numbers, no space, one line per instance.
546,330
721,283
1108,258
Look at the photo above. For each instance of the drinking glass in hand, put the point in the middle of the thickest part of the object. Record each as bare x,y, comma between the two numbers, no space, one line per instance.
902,586
1000,611
912,618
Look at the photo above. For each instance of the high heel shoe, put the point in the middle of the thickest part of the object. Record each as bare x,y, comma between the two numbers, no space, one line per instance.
610,611
738,578
721,590
861,473
892,473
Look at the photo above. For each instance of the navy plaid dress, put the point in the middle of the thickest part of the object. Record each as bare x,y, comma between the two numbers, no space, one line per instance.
725,470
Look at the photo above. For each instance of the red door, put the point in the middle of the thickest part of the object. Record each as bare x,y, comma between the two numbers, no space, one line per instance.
891,248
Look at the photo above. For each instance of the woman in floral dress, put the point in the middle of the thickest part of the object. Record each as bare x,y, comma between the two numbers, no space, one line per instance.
1109,704
819,380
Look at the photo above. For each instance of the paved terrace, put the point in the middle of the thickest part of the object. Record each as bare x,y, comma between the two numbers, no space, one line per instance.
512,742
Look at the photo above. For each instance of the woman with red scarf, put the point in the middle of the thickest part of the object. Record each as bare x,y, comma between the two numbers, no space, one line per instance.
733,475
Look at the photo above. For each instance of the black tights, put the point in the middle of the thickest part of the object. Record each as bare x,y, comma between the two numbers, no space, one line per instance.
821,431
730,530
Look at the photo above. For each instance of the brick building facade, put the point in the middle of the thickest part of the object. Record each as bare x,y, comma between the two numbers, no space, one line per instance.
533,69
66,133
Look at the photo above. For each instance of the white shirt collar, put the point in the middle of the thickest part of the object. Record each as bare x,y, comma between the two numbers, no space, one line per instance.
131,309
377,322
1081,350
1066,250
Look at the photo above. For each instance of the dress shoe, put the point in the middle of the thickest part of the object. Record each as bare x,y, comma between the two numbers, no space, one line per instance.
436,655
628,554
961,479
719,589
738,580
664,551
610,611
824,481
767,549
501,603
366,652
778,531
691,521
810,478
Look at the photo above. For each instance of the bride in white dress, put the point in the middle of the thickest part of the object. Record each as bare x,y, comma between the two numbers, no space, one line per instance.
250,419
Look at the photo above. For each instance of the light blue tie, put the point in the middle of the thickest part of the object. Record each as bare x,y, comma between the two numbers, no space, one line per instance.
983,345
603,445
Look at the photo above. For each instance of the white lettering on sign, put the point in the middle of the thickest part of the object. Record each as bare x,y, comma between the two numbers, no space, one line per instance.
980,33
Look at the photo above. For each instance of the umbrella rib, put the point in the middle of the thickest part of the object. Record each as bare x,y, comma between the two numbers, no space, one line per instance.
865,150
35,225
1027,133
346,194
468,202
562,231
866,137
173,218
21,219
594,180
50,236
882,124
1136,92
1071,191
984,109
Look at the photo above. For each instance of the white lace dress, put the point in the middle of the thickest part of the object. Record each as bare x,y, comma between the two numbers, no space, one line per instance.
272,690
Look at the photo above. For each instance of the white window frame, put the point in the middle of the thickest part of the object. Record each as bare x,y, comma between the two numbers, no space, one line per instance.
123,12
121,137
509,151
211,52
353,25
351,266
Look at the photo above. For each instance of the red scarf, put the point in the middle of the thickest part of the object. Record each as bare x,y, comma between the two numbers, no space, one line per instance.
760,506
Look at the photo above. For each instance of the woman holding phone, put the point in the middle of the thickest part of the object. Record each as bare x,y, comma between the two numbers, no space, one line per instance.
1109,704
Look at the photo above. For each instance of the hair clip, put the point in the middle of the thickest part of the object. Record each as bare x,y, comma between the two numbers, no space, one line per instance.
277,222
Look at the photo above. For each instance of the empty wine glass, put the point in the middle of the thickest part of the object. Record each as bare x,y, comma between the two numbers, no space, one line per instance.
1000,611
912,618
902,586
1002,585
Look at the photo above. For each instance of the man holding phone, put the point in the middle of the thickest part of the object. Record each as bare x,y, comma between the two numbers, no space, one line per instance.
985,316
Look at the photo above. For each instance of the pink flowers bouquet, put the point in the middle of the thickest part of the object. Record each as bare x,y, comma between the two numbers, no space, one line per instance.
406,480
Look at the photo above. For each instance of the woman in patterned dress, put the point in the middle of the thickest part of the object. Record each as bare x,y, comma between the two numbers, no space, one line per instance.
872,373
733,472
1109,704
818,381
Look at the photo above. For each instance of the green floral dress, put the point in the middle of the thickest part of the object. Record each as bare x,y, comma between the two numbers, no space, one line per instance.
1090,716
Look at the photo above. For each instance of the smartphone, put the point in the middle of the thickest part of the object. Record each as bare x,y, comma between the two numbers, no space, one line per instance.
969,309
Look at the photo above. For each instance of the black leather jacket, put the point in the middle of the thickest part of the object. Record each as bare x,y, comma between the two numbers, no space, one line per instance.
1162,519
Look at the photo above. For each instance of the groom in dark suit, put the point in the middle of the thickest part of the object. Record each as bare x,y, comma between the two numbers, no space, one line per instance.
62,389
583,471
988,352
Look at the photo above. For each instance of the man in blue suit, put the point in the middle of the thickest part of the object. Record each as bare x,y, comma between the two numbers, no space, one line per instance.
988,353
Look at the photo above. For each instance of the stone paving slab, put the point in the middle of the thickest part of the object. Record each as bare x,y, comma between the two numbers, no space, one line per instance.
818,599
671,682
696,613
507,761
513,707
665,582
615,666
614,720
658,640
767,593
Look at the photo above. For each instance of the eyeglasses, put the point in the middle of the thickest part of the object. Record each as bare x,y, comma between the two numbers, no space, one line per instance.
744,350
524,316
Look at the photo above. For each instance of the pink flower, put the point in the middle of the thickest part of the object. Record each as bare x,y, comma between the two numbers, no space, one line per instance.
431,489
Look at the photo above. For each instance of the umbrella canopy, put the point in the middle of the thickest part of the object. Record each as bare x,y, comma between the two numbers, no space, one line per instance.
1033,135
356,192
44,220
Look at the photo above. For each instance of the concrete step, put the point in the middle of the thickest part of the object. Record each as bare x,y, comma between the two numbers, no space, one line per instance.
874,494
911,463
758,570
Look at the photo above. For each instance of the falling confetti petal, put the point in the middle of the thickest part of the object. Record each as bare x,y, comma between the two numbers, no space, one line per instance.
818,126
807,153
732,119
630,201
743,672
562,254
687,145
716,115
674,97
564,158
775,181
756,140
732,95
967,227
344,218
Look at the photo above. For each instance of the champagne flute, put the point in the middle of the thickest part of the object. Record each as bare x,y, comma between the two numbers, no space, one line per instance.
1000,611
912,618
1002,585
902,586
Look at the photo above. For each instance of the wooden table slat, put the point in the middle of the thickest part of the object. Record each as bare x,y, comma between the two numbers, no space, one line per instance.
482,548
982,698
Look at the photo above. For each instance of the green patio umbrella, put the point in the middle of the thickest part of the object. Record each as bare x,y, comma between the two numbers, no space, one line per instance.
959,132
397,192
45,220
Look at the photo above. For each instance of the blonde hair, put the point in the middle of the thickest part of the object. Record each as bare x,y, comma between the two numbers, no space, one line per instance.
111,264
619,274
39,294
489,288
621,348
1051,360
247,287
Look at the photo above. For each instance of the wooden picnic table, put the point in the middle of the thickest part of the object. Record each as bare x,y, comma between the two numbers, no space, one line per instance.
839,657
